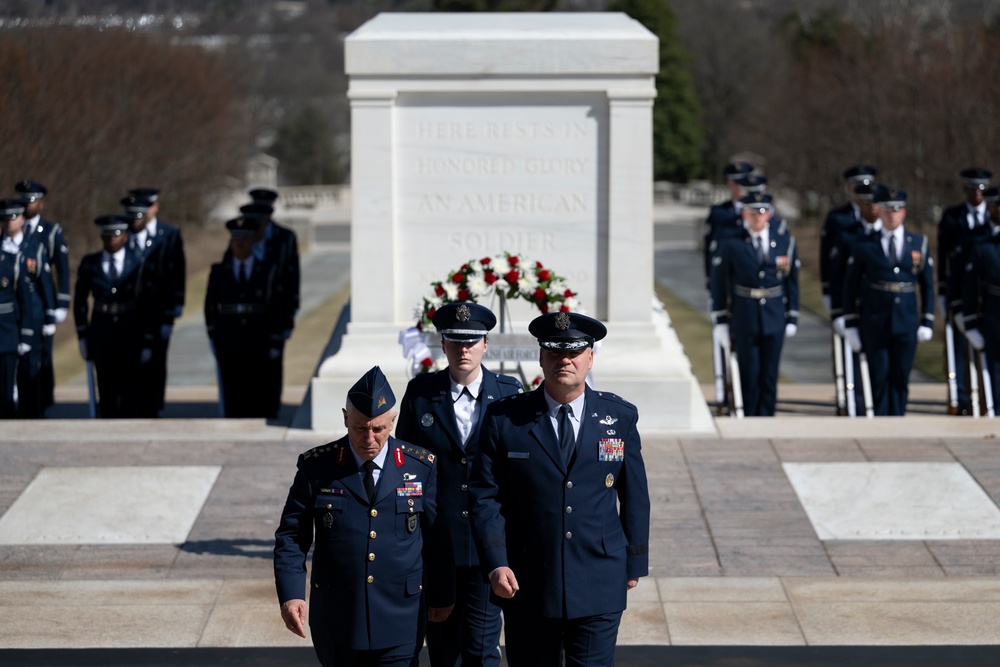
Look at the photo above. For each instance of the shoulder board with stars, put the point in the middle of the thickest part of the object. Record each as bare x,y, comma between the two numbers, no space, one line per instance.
506,379
616,398
316,452
418,453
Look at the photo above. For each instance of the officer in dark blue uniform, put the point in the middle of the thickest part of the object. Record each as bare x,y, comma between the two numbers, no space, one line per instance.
560,506
443,412
51,234
956,231
889,302
844,219
161,249
755,300
369,500
722,218
10,312
278,246
243,317
116,334
980,312
36,305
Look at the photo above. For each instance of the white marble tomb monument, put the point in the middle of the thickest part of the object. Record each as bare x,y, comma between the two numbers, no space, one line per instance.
476,134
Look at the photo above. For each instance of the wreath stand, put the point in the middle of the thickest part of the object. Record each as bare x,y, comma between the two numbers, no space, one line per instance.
505,327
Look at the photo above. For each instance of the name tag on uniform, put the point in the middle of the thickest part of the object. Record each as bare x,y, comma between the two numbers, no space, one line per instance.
517,455
410,489
611,449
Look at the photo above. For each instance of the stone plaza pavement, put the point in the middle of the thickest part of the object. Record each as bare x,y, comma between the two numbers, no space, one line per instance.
735,558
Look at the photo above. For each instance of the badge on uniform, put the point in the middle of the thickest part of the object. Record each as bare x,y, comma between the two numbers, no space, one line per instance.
609,481
410,489
4,282
398,454
30,264
917,260
427,420
781,262
328,520
412,522
608,421
611,449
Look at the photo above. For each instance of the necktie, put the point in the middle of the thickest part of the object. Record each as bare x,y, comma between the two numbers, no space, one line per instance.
758,246
136,246
567,443
464,403
244,274
112,270
369,467
892,249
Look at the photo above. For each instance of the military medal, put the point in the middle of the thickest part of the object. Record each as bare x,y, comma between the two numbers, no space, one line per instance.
410,489
609,481
30,264
610,449
328,520
781,262
427,420
916,259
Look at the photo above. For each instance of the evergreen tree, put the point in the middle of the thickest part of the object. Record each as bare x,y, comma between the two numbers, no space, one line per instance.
678,132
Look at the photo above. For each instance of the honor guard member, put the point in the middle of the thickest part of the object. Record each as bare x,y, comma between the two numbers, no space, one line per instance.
243,320
843,219
36,305
755,289
278,246
443,412
560,507
11,346
889,302
115,333
726,215
368,502
161,249
958,224
51,235
980,313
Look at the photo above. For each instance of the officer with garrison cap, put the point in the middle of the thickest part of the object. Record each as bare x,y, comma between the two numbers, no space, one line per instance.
560,506
368,503
755,300
115,333
961,226
443,412
244,323
889,302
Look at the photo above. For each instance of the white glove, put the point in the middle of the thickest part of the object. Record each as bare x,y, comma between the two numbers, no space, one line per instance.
23,349
924,334
83,348
166,330
943,305
853,338
145,355
60,315
48,330
721,332
975,339
791,330
273,353
959,322
838,326
826,303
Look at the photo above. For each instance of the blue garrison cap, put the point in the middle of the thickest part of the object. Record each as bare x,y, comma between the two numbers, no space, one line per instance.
893,198
976,177
243,227
463,321
734,170
566,331
751,183
372,395
11,208
861,173
112,225
31,190
758,201
263,196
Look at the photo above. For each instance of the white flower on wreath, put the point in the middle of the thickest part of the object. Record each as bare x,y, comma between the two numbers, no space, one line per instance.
500,265
478,286
450,290
528,283
475,266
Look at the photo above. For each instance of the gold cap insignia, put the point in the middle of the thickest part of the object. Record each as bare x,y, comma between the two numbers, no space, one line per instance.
381,401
